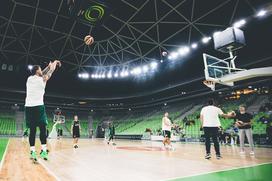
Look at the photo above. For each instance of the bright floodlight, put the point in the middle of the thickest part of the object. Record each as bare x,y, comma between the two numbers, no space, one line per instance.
126,73
145,68
137,71
122,74
206,39
161,61
109,75
239,24
261,13
116,75
154,65
84,75
173,56
30,67
184,50
194,45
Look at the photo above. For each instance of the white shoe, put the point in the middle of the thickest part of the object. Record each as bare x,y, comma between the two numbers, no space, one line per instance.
252,153
242,152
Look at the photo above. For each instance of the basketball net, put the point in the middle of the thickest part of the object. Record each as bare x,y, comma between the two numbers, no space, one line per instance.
210,84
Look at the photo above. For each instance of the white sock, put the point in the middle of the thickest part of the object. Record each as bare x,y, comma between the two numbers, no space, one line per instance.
44,147
32,148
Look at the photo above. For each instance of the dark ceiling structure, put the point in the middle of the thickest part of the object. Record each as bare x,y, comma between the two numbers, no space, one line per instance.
132,32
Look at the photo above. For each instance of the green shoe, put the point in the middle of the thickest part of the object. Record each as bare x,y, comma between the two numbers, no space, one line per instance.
44,155
33,155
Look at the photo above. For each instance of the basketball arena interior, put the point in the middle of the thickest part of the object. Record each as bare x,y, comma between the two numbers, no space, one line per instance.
135,90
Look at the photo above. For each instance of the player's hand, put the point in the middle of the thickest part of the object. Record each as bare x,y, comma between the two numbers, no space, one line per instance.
239,123
57,62
231,114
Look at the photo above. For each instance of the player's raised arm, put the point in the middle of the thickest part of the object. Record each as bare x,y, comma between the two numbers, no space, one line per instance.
48,71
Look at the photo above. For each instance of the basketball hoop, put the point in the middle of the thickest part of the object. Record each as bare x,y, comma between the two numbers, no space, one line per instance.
210,84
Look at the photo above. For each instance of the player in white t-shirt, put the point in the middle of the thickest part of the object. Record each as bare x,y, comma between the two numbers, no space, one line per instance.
210,123
35,114
166,129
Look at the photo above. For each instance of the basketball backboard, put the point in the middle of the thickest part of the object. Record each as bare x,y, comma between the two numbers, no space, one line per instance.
59,118
224,71
216,69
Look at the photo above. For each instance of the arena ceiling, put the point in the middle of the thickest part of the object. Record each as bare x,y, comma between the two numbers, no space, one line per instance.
131,32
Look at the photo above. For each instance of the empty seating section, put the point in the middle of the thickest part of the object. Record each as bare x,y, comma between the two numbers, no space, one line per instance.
7,125
133,122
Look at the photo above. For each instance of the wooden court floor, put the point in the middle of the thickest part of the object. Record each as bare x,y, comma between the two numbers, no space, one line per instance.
128,160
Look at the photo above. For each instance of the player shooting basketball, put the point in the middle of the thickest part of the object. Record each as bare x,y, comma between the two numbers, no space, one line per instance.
35,114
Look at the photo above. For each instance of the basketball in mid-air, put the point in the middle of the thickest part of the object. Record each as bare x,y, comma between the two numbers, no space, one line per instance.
89,40
164,53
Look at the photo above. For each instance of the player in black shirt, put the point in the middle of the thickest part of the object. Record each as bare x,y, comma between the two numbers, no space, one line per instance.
75,131
244,123
112,133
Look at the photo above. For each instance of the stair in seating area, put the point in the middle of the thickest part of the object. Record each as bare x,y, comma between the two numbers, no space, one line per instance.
189,112
255,106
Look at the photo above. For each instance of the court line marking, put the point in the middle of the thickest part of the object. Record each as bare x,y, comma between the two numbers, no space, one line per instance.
49,171
223,170
4,156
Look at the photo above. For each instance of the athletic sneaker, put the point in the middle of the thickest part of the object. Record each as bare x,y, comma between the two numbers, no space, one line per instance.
33,155
242,152
172,148
218,157
44,155
252,153
208,156
167,147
